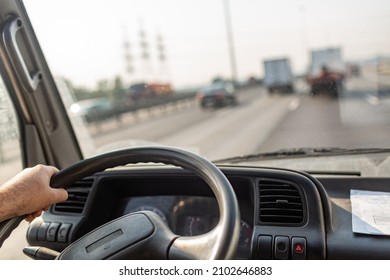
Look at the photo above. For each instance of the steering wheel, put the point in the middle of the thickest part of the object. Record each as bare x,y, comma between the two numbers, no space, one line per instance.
143,235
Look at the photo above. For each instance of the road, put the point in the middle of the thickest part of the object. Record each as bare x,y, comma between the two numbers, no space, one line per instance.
263,122
212,133
260,122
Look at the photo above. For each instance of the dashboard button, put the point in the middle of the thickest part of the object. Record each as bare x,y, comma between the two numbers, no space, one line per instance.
281,247
298,248
63,233
42,231
264,247
52,232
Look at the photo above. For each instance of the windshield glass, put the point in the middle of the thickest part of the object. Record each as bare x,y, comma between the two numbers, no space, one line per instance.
221,78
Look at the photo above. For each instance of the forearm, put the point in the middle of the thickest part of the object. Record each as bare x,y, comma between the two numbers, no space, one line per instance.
8,208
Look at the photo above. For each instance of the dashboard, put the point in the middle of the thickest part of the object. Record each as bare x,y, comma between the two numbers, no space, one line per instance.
190,215
285,214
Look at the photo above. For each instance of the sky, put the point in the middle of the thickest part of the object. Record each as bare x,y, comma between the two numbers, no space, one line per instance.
83,40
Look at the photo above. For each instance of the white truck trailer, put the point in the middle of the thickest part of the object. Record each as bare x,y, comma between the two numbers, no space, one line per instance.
278,76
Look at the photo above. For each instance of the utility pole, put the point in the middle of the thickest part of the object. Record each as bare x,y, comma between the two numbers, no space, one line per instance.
161,56
305,41
128,58
232,55
145,56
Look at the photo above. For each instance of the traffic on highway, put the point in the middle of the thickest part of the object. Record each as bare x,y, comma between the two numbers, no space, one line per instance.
291,105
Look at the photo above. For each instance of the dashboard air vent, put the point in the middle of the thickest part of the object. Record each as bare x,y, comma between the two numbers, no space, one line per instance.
77,197
280,203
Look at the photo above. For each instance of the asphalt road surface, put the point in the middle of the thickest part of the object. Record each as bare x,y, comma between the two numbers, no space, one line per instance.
263,122
260,122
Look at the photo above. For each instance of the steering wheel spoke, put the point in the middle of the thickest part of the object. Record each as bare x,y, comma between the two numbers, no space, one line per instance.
203,247
139,235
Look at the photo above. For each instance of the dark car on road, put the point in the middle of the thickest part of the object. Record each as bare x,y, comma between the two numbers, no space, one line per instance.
217,95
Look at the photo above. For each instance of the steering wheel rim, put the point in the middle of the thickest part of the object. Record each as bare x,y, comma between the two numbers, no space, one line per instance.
219,243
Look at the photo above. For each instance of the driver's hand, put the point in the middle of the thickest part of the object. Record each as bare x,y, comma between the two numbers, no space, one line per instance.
29,193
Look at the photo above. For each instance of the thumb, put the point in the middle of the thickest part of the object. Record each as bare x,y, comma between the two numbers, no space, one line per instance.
59,195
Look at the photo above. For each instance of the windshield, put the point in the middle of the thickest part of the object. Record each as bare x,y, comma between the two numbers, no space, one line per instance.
301,74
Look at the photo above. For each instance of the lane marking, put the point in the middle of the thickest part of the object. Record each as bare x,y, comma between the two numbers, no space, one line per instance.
373,100
294,104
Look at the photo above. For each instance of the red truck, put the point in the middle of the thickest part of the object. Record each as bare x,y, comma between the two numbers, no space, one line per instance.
326,73
142,91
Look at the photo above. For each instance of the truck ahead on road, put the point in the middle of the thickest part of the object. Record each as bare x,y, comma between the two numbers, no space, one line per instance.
326,72
278,75
143,91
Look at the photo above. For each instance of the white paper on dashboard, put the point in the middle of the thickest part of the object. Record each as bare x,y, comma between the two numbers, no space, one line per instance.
370,212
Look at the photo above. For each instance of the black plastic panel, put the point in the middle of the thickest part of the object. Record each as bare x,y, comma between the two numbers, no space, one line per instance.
327,229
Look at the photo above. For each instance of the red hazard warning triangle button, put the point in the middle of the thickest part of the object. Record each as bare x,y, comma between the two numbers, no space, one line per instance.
299,248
